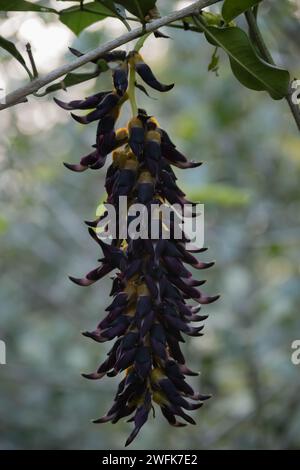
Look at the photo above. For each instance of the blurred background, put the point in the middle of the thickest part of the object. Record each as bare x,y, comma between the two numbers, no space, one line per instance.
250,187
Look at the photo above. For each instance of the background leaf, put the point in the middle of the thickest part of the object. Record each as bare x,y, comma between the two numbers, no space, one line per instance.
233,8
248,68
220,194
22,5
11,48
214,63
77,20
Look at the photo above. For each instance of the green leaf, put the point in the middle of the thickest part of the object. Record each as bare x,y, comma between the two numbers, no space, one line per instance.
77,20
22,5
233,8
214,62
3,225
139,8
11,48
70,79
252,71
221,195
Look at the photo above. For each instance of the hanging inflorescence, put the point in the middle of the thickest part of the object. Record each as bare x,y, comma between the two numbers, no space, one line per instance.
152,287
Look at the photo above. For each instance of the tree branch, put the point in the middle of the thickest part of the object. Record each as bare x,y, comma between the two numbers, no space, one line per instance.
19,96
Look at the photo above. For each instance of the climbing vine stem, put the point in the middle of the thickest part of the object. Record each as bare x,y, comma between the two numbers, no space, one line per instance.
267,56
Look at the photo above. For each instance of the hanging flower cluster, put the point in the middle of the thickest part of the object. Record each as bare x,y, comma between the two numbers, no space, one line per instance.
152,287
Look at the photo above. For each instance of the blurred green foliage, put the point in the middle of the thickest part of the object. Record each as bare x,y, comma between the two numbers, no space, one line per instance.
250,187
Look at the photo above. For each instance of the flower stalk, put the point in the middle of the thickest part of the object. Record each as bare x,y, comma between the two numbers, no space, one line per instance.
131,91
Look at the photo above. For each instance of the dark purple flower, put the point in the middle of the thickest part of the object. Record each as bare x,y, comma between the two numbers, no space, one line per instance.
153,287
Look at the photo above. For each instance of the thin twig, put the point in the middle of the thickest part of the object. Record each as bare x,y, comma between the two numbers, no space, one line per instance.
266,55
31,58
20,95
170,25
